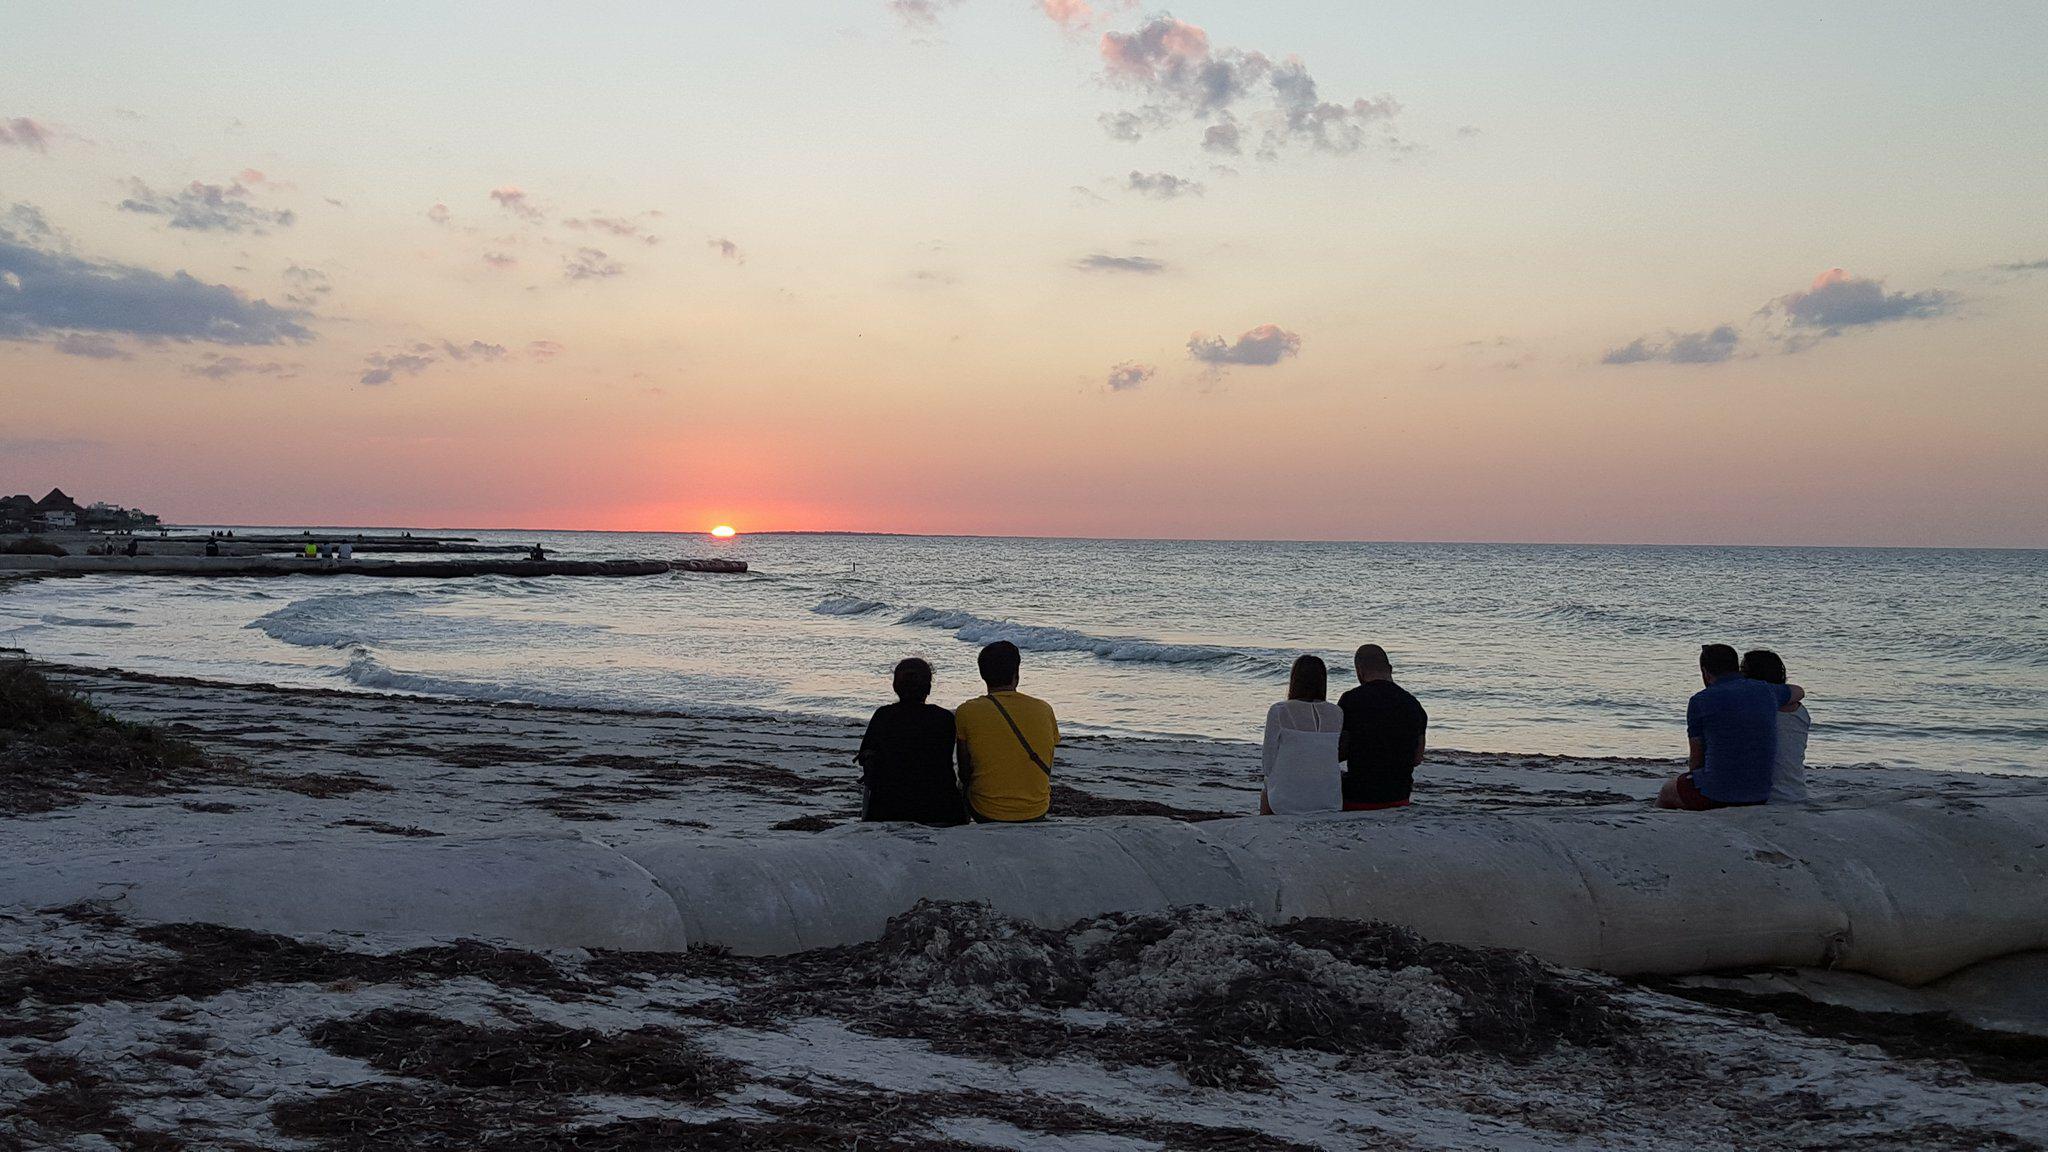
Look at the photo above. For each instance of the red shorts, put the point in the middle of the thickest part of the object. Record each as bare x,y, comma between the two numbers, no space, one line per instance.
1691,799
1376,807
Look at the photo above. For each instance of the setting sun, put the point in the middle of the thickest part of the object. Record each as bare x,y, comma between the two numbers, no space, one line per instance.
724,532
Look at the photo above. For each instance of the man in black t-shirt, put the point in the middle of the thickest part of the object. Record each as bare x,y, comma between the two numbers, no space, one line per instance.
906,756
1383,737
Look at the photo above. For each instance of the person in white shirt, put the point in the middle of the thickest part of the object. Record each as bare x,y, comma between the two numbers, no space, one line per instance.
1795,724
1299,758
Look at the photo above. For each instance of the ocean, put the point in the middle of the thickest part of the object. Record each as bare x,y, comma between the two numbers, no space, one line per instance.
1923,658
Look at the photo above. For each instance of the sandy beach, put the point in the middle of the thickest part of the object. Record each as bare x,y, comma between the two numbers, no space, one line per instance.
957,1029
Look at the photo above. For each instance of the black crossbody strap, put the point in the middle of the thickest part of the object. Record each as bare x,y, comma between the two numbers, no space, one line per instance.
1028,749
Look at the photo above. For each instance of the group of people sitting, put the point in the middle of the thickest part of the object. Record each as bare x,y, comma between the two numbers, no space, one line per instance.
989,761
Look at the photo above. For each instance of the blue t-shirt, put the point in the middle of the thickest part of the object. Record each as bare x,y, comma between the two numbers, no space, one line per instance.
1738,718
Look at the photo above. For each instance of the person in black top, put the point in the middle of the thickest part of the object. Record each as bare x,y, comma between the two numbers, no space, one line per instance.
906,757
1383,737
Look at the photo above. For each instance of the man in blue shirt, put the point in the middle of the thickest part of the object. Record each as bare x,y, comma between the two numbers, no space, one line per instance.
1732,725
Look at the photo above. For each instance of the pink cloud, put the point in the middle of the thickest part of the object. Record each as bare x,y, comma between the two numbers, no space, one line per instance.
513,199
1163,47
22,132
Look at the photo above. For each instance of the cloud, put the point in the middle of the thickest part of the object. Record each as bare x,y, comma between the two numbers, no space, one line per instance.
616,225
501,261
921,13
1125,126
91,345
543,349
1327,127
439,213
1103,262
476,348
2024,266
1070,14
44,292
415,358
515,200
22,132
379,368
1711,346
1264,346
1838,300
202,207
217,367
1171,65
1834,303
1224,138
590,264
1130,375
727,249
308,285
1161,185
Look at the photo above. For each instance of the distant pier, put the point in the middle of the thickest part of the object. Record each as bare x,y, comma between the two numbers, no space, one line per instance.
219,566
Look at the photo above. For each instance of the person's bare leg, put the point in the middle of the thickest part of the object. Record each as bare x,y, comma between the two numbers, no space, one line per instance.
1667,796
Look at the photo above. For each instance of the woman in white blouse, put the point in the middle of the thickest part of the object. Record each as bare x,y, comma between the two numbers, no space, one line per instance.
1300,753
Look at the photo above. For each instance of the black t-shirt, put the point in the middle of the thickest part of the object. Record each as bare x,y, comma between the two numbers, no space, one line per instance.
1382,724
908,753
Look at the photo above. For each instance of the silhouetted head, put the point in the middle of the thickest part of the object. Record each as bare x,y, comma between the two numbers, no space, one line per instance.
912,680
1309,679
1718,660
1372,663
1763,664
999,663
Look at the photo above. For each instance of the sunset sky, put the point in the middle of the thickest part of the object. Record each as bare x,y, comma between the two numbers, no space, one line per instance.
1415,270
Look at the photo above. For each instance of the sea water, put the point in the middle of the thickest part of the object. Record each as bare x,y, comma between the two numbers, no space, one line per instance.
1926,658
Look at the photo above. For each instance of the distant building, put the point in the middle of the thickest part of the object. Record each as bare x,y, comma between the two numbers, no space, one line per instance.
17,513
58,510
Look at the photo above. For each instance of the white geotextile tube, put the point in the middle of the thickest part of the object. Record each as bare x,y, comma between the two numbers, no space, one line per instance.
1907,890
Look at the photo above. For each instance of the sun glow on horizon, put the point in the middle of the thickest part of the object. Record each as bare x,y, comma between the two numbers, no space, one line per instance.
724,532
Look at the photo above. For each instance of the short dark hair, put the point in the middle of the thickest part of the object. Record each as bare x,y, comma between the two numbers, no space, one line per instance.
999,663
912,679
1309,679
1763,664
1719,660
1372,658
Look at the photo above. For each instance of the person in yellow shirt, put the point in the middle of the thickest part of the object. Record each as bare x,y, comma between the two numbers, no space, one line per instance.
1006,744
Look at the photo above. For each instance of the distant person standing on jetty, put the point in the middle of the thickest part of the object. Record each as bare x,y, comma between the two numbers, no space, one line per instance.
1731,726
1795,724
906,755
1299,753
1385,735
1006,744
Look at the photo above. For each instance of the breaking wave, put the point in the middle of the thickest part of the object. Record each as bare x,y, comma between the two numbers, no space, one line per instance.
848,606
331,621
973,629
80,622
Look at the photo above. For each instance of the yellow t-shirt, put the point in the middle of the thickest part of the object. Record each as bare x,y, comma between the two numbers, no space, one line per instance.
1005,784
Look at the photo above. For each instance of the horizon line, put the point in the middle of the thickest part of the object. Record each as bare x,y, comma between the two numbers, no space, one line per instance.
705,532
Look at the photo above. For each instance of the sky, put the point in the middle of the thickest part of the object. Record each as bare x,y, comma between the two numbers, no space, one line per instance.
1583,271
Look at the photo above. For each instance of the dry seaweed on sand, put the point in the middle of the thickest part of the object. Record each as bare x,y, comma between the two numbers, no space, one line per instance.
1514,1005
1196,989
210,959
77,1100
2013,1057
652,1061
